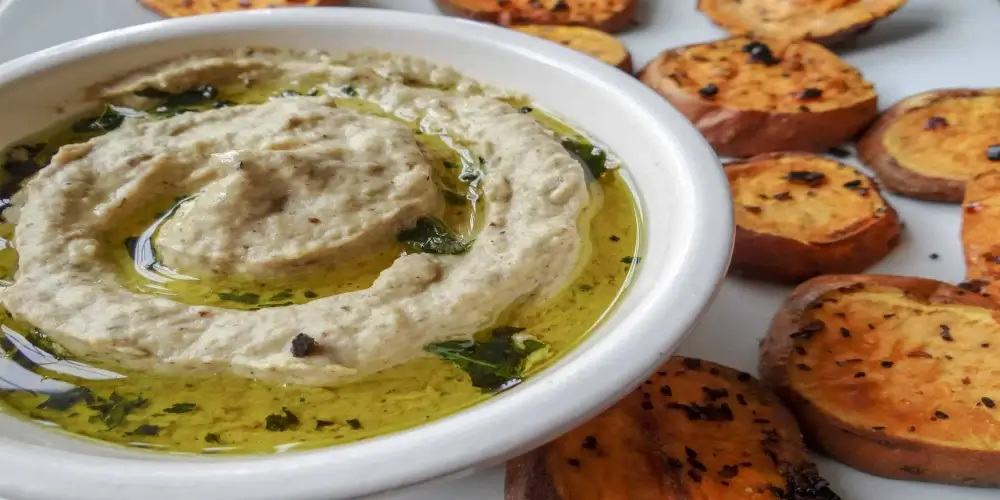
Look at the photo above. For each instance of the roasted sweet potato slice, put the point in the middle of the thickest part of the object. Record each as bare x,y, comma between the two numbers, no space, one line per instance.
929,145
593,42
749,97
182,8
894,376
981,233
695,430
605,15
828,22
799,215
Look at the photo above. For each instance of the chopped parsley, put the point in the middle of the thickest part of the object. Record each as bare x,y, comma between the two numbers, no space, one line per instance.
112,411
493,365
592,157
180,408
432,236
280,422
241,297
146,430
65,400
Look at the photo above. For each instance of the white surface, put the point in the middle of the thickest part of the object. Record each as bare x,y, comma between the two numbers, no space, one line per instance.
682,194
928,44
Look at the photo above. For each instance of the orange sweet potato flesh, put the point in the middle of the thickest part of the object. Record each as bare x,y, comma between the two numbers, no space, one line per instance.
182,8
895,376
693,431
595,43
828,22
981,233
605,15
803,98
800,215
929,145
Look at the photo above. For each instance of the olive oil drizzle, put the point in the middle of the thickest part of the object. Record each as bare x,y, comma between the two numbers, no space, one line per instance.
224,413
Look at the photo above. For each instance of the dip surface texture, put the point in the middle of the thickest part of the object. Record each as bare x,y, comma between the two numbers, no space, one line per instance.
287,187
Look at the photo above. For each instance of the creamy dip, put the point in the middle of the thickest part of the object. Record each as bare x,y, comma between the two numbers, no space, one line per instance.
258,249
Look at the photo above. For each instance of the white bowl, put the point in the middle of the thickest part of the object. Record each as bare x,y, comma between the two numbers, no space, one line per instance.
685,209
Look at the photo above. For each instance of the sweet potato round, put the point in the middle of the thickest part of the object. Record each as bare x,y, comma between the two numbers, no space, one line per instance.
929,145
695,429
595,43
822,21
606,15
891,375
182,8
805,99
800,215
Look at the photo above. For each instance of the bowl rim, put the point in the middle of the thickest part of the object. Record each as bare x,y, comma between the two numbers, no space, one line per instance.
706,255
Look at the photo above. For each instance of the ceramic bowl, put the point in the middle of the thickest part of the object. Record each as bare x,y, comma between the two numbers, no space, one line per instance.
687,238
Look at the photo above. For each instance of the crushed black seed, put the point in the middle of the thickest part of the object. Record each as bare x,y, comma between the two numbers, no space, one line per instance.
860,375
715,394
783,196
993,153
729,471
573,463
590,443
697,465
989,403
526,109
856,183
887,364
303,345
890,315
935,122
760,53
690,453
812,179
646,405
802,366
844,332
708,90
741,400
946,333
665,390
692,363
941,415
674,463
871,326
695,475
801,351
810,93
934,256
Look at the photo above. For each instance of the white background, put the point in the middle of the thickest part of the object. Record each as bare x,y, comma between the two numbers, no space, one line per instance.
928,44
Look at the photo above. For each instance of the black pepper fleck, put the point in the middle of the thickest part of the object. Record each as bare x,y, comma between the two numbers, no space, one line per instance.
303,345
887,364
989,403
993,153
941,415
810,93
709,90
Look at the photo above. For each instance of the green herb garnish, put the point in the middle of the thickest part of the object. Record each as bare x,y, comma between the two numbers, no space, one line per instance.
349,91
112,411
146,430
288,93
285,295
354,423
65,400
309,294
592,157
241,297
631,260
45,343
280,422
213,438
180,408
181,102
107,121
432,236
323,423
493,365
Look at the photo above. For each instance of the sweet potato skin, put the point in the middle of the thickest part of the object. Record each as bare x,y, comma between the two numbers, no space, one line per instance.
839,35
771,257
891,174
487,11
598,44
877,453
655,444
182,8
743,133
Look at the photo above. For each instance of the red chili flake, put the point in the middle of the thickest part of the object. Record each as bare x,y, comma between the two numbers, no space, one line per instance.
966,381
729,471
919,354
985,345
973,207
941,415
935,122
753,209
987,402
783,196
